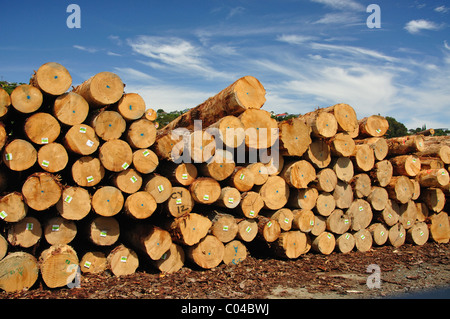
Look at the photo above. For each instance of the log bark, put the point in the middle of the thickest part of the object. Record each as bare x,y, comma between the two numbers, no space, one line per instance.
189,229
42,128
25,233
52,157
70,109
18,271
26,98
81,139
74,204
131,106
172,260
104,88
58,230
274,192
55,265
122,261
108,125
140,205
234,253
323,124
294,137
93,262
13,207
41,191
145,161
87,171
180,202
205,190
107,201
19,155
208,253
115,155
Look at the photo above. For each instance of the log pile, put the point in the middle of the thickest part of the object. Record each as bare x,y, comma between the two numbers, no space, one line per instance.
88,183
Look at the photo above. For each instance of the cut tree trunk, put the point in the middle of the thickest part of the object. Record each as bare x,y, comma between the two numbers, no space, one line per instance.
379,146
363,240
18,271
229,131
13,207
26,98
440,227
158,186
181,174
268,229
433,177
342,144
116,155
303,220
408,165
41,191
148,239
208,253
326,180
42,128
261,130
3,247
229,197
405,145
284,216
5,102
103,231
122,261
52,78
298,174
294,137
260,173
323,124
81,139
108,125
205,190
338,222
345,116
140,205
189,229
93,262
325,204
418,234
382,173
378,198
304,198
52,157
104,88
274,192
390,214
58,230
345,243
290,244
87,171
247,230
400,188
56,265
434,199
128,181
224,226
234,253
180,202
74,204
360,214
343,195
107,201
131,106
324,243
343,167
250,205
379,233
242,179
374,125
361,185
397,235
172,260
319,154
19,155
145,161
408,214
141,133
363,157
25,233
70,109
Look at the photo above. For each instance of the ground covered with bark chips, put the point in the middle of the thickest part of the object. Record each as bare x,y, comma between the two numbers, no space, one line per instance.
404,270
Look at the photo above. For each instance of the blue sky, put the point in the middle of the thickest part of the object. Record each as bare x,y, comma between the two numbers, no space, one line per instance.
306,53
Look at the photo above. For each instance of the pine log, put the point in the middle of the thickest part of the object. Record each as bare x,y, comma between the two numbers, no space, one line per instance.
418,234
104,88
303,220
93,262
224,226
115,155
208,253
52,157
26,98
242,179
251,203
433,177
189,229
422,212
382,173
181,174
273,161
325,204
58,230
319,154
70,109
434,199
140,205
440,228
290,244
228,131
406,144
360,214
374,125
298,174
158,186
407,214
131,106
18,271
343,195
81,139
107,201
51,78
74,204
343,167
234,253
397,235
284,216
391,213
141,134
3,135
260,173
172,260
108,125
268,229
342,145
201,146
220,167
103,231
400,189
170,145
19,155
378,198
42,128
13,207
25,233
261,130
323,124
408,165
361,185
324,243
345,116
128,181
274,192
247,230
229,197
345,243
205,190
326,180
122,261
180,202
145,161
3,247
379,233
41,191
148,239
363,240
320,225
5,102
338,222
304,198
87,171
363,158
294,137
151,115
427,162
56,265
378,144
438,146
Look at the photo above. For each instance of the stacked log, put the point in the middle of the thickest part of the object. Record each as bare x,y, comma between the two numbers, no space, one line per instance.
90,184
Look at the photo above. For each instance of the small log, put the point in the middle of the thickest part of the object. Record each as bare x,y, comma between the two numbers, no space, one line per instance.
290,244
378,144
274,192
19,155
363,158
115,155
13,207
87,171
320,225
374,125
148,239
284,216
338,222
440,228
303,220
131,106
5,102
323,124
58,230
205,190
128,181
60,258
229,197
433,177
422,211
247,230
122,261
360,214
74,204
201,146
298,174
260,173
418,234
151,115
343,195
242,179
104,88
378,198
208,253
406,144
345,116
324,243
273,161
93,262
400,189
397,235
81,139
107,201
70,109
326,180
229,131
342,145
234,253
180,202
41,128
391,213
434,199
382,173
103,231
261,131
224,226
26,98
251,203
52,157
170,146
379,233
304,198
51,78
408,214
319,154
171,261
363,240
268,229
141,134
145,161
24,233
41,191
18,271
343,167
408,165
361,185
189,229
181,174
345,243
140,205
3,247
220,167
159,187
108,125
294,137
325,204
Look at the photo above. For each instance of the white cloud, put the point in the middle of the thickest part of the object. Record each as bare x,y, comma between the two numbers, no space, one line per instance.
344,18
446,45
415,26
342,4
442,9
295,39
83,48
352,50
133,75
235,11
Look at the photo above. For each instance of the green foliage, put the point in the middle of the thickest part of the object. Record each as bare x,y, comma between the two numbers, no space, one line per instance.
9,86
165,118
396,128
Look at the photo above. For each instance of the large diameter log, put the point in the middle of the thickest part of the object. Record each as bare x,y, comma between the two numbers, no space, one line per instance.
408,165
52,157
363,157
433,177
128,181
56,264
159,187
234,253
224,226
52,78
5,102
294,137
87,171
19,155
319,154
324,243
290,244
131,106
434,199
298,174
208,253
374,125
122,261
18,271
274,192
41,191
205,190
141,134
103,231
220,167
81,139
74,204
391,213
58,230
342,144
25,233
323,124
338,222
201,146
325,204
42,128
406,144
70,108
145,161
361,185
251,203
382,173
440,227
438,146
172,260
261,130
107,201
345,116
93,262
26,98
104,88
180,202
13,207
116,155
246,93
189,229
3,247
149,239
418,234
378,198
229,131
360,214
400,188
108,125
140,205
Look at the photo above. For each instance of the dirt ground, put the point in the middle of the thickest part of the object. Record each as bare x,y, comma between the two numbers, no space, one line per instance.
403,271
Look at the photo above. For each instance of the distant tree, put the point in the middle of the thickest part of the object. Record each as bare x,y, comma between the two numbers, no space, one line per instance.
9,86
395,128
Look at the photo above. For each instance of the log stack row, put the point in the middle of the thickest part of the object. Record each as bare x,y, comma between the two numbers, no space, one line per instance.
88,183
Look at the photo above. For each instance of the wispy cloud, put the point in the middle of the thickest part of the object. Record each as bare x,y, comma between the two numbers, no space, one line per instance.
83,48
442,9
235,11
295,38
415,26
354,51
342,4
133,75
